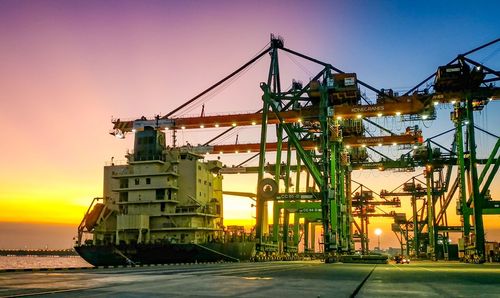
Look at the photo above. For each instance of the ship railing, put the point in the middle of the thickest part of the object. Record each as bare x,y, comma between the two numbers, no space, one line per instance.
122,171
81,226
116,162
148,157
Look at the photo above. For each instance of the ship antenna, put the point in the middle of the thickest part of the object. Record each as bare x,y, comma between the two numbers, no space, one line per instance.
174,138
157,118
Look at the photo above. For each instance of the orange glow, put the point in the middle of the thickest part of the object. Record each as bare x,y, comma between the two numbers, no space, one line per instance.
53,202
65,205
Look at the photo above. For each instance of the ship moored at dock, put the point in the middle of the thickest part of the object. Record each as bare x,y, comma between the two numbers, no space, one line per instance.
163,206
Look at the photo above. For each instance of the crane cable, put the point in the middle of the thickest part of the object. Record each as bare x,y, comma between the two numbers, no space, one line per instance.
182,106
488,57
300,65
216,91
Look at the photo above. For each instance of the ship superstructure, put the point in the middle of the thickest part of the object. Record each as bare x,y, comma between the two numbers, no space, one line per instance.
162,194
162,197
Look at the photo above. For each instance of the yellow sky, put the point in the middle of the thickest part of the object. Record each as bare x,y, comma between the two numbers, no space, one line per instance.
61,199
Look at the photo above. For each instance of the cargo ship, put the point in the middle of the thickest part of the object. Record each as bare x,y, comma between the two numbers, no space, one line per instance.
162,205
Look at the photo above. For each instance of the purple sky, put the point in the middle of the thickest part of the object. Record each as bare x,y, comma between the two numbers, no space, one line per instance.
66,67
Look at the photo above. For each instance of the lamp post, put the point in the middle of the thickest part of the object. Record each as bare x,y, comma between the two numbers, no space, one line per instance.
378,232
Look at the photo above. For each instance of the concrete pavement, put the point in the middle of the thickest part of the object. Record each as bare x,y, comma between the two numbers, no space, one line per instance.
273,279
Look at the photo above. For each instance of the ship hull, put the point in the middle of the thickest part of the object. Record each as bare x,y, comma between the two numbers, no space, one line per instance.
140,254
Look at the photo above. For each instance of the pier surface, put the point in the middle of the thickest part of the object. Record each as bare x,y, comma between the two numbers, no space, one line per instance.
273,279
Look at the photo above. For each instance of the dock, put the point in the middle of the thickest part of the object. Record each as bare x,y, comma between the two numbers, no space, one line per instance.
268,279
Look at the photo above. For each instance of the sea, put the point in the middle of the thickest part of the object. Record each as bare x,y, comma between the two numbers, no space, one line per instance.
37,262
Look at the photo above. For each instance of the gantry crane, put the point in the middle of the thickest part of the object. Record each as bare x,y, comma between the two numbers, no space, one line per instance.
470,84
467,85
365,205
323,124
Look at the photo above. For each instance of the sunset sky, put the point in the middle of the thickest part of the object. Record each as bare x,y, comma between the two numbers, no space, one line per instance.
67,67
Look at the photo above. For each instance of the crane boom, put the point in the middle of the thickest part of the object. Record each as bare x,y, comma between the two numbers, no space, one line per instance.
403,105
351,141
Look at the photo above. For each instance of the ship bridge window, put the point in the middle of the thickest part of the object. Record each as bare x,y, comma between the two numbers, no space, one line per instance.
124,197
124,209
160,194
148,180
124,183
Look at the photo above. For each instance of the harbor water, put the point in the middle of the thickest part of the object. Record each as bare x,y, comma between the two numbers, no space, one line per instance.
34,262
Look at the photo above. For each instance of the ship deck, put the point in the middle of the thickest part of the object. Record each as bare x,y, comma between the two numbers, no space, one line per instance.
272,279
